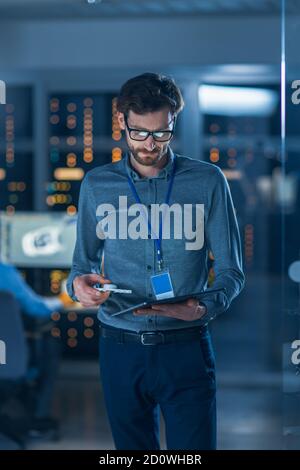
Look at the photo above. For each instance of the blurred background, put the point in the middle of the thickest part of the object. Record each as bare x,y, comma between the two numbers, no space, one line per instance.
63,62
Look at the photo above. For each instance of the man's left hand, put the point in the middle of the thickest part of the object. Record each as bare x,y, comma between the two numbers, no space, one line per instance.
189,310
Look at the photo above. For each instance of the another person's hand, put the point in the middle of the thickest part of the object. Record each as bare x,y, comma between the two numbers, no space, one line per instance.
189,310
86,294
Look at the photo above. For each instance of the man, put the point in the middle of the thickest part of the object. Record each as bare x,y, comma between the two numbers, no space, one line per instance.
161,356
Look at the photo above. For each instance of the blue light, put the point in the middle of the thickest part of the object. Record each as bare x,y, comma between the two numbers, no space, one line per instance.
237,101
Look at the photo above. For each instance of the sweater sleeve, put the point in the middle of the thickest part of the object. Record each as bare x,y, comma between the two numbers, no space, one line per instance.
88,248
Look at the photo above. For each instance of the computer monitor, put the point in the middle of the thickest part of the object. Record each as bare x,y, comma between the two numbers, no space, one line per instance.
37,240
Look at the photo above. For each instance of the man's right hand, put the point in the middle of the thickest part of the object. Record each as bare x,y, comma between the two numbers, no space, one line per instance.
86,294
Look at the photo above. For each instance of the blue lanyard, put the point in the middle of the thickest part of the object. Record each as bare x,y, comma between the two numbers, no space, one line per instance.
157,241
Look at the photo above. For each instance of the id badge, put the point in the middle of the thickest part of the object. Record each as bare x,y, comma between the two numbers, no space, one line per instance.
162,285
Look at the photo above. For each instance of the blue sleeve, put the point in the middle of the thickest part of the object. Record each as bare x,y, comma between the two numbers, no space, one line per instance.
89,247
223,239
31,303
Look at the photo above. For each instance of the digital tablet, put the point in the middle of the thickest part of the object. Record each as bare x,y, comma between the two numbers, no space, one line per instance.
171,300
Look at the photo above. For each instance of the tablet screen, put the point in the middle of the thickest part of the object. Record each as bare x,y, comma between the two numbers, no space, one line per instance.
172,300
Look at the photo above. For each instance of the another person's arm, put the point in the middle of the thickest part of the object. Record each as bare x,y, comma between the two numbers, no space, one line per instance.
31,303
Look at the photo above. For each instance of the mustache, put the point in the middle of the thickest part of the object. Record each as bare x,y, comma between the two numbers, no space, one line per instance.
149,151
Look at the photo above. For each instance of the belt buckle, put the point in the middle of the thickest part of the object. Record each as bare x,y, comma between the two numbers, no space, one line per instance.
151,333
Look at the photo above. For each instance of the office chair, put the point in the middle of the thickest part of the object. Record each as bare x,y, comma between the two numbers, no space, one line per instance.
13,371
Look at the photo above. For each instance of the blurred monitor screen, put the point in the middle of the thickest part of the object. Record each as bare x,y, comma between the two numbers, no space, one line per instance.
43,240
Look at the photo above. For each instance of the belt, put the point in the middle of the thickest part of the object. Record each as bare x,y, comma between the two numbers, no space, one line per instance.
151,338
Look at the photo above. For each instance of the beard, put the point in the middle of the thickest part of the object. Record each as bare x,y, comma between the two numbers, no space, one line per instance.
147,158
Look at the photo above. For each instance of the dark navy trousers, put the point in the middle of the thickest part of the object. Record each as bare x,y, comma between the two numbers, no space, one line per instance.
177,378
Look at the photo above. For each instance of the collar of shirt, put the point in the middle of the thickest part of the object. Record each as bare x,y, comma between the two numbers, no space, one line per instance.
164,173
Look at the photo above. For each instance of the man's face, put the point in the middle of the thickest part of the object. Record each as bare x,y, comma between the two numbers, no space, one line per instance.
148,152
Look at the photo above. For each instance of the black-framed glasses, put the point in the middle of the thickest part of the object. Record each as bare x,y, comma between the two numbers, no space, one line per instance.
142,134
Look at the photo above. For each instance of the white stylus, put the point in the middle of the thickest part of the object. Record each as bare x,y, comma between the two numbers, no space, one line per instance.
113,288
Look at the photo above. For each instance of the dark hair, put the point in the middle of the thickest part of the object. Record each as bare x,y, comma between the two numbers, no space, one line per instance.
149,92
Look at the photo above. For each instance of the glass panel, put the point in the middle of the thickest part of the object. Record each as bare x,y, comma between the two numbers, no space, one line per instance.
288,197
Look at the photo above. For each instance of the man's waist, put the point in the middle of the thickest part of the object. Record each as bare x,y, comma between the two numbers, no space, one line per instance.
153,337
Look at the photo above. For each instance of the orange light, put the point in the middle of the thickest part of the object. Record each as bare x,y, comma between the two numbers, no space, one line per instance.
88,159
71,107
87,140
69,174
88,102
50,201
54,119
214,155
71,140
55,316
71,121
10,209
72,316
12,186
88,333
71,160
231,162
54,140
214,128
72,342
116,154
232,174
54,105
116,136
55,332
72,332
21,186
231,152
71,210
88,321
